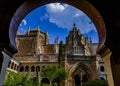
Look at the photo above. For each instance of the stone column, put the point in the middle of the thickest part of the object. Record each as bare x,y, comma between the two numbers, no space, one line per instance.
7,52
105,55
70,81
6,59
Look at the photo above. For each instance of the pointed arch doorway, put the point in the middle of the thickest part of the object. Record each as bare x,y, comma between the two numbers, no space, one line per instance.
77,80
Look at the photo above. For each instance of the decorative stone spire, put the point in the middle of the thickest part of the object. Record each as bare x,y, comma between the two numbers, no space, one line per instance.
74,25
56,40
47,32
38,28
56,46
28,30
47,37
90,40
91,47
18,33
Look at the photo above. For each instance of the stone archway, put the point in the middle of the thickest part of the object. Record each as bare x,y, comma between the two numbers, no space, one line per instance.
110,13
83,5
80,73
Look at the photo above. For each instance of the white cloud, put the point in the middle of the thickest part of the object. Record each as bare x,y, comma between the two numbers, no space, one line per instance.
44,17
64,16
24,22
20,28
76,15
57,7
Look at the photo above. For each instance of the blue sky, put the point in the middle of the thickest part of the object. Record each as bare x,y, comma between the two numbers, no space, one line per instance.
58,20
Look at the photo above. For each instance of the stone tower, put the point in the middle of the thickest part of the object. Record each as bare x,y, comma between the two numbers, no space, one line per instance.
79,62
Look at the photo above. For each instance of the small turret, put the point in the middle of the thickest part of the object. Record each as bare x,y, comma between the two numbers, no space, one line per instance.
74,28
38,28
18,33
90,45
90,40
56,40
56,46
47,37
47,32
28,30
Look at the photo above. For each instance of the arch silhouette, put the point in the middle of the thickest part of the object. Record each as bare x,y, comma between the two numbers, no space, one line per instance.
83,5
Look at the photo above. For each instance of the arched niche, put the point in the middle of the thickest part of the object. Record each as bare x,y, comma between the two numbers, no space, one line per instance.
81,68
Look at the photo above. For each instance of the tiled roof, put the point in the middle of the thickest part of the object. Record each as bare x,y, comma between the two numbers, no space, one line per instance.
49,48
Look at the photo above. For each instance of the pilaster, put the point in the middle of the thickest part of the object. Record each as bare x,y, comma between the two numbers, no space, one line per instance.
7,53
105,54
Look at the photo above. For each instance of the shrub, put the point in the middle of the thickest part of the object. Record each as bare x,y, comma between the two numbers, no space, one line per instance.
96,83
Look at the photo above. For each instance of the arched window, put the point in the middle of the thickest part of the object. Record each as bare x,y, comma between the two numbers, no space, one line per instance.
21,69
102,69
26,68
45,80
12,65
9,64
102,78
37,68
32,69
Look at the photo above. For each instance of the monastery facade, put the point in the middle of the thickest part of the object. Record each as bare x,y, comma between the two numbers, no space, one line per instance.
79,56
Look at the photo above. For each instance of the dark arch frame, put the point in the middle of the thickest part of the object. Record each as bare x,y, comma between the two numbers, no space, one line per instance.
1,61
83,5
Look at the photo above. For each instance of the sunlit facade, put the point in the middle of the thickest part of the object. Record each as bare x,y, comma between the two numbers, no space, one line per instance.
79,55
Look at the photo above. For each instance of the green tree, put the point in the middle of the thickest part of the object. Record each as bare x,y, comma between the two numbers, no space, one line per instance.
61,73
53,72
36,80
16,79
12,79
59,56
96,83
61,48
